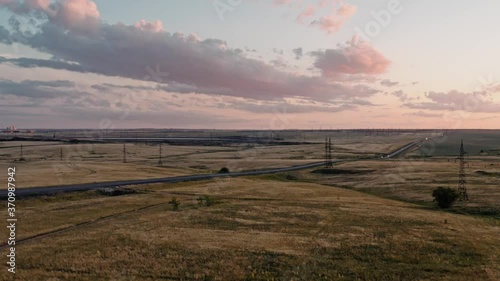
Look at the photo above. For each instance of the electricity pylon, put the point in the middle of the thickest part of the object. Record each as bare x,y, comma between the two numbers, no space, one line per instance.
328,152
160,163
124,154
22,155
462,182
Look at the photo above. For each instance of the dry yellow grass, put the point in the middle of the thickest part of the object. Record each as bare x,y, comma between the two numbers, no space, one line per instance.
415,179
264,228
29,174
87,163
261,229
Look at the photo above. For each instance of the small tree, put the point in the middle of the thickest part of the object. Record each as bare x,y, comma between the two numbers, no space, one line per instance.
224,170
207,200
200,200
444,197
175,203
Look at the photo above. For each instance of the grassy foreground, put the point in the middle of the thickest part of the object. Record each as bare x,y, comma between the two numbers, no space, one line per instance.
260,229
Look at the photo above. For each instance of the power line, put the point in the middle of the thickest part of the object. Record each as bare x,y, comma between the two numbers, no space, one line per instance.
22,156
462,181
159,161
328,152
124,154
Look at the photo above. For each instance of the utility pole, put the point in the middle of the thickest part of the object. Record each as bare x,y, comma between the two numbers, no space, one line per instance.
328,152
160,163
22,156
124,154
330,163
462,182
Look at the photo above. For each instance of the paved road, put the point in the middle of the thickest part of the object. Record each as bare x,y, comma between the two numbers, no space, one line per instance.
89,186
402,149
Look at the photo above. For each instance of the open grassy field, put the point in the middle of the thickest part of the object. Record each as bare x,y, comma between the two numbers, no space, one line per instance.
414,179
476,142
94,162
364,219
266,135
260,229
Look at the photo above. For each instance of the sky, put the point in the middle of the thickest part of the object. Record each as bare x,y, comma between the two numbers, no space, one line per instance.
249,64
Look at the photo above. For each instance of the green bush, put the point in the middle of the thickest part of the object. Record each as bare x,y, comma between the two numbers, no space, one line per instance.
175,203
444,197
224,170
207,200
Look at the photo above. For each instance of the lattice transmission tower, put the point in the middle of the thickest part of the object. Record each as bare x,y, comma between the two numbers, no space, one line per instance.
328,152
462,181
124,154
160,163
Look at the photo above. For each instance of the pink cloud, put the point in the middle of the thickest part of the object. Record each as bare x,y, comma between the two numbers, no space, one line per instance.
306,13
38,4
5,2
78,15
182,64
335,21
323,3
155,26
23,7
346,11
355,57
493,88
185,64
455,100
388,83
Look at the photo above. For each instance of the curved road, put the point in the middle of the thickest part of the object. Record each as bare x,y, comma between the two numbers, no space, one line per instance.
89,186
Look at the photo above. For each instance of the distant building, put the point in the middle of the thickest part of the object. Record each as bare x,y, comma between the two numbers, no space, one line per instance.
11,130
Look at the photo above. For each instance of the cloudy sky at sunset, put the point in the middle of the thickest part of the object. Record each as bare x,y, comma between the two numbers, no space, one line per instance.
253,64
